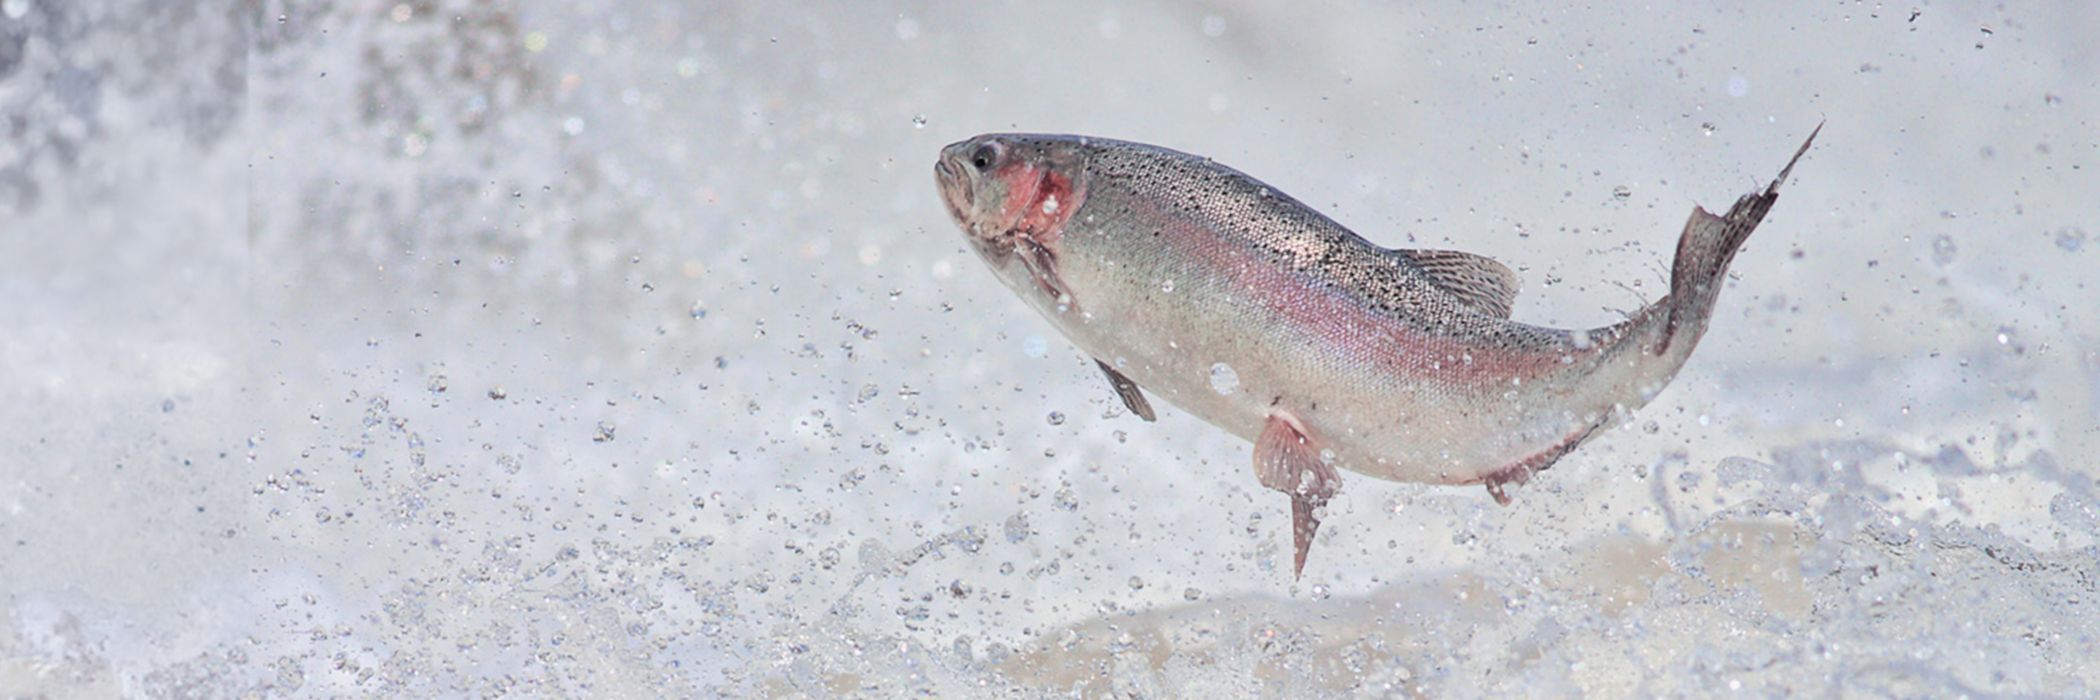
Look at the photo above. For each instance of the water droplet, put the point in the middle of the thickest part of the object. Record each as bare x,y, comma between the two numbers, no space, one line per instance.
2071,239
1066,500
1706,128
1056,418
498,393
1035,346
1167,286
1191,594
1943,251
1213,26
605,432
1017,528
1136,583
918,121
1223,379
1621,192
699,310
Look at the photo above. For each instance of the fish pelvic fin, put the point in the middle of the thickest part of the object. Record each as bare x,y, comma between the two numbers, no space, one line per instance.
1708,244
1287,460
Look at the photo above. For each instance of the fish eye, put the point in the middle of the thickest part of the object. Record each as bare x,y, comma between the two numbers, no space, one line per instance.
984,156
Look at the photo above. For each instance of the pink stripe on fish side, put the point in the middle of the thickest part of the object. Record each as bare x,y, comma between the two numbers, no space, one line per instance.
1345,324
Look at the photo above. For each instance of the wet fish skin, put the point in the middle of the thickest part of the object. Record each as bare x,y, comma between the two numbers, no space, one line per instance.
1168,268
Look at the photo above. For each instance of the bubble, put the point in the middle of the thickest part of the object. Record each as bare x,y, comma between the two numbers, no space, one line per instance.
1223,379
1056,418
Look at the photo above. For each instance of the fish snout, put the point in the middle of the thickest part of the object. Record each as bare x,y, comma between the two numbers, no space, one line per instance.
955,182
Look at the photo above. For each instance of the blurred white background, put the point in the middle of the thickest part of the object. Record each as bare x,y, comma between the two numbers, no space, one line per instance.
446,348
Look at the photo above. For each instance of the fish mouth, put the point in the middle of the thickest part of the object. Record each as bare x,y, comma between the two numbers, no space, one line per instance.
956,191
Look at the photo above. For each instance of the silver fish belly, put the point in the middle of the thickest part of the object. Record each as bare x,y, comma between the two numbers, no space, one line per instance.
1244,307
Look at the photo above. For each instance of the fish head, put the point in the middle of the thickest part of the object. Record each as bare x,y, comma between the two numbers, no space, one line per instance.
1007,190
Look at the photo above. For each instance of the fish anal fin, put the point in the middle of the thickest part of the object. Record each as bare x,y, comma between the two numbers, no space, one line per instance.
1499,480
1287,460
1477,281
1133,397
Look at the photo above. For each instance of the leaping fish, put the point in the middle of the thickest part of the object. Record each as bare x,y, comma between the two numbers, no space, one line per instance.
1257,313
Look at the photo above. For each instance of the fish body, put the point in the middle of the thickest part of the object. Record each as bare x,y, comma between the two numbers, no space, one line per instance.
1245,307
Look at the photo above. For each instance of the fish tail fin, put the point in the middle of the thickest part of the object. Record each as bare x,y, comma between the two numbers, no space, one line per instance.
1708,244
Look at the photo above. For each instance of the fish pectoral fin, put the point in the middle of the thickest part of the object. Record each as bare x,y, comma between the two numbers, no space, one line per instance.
1042,267
1287,460
1133,397
1477,281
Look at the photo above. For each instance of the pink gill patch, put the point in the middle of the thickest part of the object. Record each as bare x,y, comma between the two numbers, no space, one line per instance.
1039,201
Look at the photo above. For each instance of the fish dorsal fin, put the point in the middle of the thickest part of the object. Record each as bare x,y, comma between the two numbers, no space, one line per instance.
1476,280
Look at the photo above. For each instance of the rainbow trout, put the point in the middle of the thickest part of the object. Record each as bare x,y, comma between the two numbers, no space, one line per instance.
1233,301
